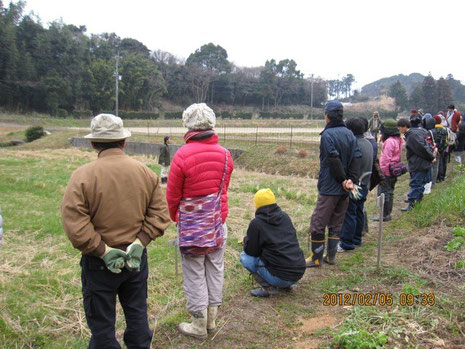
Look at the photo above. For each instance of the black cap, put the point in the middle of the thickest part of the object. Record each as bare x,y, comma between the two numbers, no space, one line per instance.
415,120
334,109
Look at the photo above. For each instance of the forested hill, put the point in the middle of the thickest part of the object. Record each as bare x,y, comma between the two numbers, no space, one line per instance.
61,69
410,83
381,86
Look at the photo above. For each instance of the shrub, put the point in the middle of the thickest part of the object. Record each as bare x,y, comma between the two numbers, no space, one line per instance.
81,114
384,114
135,115
281,150
62,113
173,115
302,153
140,115
225,115
242,115
270,115
34,132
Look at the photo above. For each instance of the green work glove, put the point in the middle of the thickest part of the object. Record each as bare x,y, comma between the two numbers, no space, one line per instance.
134,255
114,259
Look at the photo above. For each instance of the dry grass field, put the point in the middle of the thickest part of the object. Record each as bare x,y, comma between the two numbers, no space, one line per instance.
40,296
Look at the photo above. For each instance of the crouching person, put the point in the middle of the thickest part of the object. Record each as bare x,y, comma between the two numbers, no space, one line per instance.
271,250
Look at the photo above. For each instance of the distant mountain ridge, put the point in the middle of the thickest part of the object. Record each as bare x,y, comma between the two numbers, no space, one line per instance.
381,86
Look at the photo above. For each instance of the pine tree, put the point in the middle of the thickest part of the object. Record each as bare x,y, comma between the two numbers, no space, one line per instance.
416,98
430,95
398,92
444,94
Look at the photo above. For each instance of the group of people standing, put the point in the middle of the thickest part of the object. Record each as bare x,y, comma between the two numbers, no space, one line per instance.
429,142
115,206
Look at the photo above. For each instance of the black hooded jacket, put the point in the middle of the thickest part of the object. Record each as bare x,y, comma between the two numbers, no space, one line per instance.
419,151
271,236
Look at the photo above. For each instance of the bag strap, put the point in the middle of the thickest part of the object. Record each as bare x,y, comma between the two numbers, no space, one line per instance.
224,172
432,138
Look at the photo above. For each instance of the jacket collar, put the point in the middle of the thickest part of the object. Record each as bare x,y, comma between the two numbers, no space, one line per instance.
334,123
110,152
212,139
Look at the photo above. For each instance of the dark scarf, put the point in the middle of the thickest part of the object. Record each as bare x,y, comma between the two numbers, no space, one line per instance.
197,135
334,123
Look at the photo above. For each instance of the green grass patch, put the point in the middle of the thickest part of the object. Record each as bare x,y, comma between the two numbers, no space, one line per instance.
446,202
458,231
455,244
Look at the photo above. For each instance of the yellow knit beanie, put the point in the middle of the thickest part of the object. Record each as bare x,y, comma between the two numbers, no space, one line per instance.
263,197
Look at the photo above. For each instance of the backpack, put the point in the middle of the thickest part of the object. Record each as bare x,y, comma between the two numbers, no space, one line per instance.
440,138
452,137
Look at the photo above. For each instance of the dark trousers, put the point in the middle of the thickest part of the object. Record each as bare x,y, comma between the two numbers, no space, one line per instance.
329,212
418,179
443,159
100,288
388,190
353,222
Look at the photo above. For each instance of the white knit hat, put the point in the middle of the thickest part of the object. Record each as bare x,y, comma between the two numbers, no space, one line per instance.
107,128
198,116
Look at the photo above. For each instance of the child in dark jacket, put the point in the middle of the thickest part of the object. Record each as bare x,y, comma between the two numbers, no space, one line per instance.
271,250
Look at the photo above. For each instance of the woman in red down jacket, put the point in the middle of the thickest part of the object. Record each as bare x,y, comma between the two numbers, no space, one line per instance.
196,171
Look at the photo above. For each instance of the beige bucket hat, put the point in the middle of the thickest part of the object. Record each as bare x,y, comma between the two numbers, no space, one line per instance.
107,128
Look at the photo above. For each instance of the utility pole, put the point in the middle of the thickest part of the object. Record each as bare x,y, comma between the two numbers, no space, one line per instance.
311,101
116,83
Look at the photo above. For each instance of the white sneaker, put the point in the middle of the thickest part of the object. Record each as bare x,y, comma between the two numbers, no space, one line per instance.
339,248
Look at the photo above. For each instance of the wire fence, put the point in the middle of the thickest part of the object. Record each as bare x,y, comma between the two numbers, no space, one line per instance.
292,136
252,135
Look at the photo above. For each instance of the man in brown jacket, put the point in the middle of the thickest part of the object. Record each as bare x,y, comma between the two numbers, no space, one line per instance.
113,207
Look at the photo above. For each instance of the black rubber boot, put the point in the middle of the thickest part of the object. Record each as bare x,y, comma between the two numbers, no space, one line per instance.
330,258
365,222
388,203
316,258
410,207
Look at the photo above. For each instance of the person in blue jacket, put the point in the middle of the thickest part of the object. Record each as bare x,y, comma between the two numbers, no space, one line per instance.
340,163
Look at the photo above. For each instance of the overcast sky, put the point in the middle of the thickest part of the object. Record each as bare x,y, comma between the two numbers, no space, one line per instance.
370,39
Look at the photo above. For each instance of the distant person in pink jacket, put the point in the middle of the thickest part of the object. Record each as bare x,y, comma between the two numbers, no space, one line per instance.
391,153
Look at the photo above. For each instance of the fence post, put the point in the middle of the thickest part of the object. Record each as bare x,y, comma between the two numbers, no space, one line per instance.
256,136
148,128
175,244
380,227
224,135
290,145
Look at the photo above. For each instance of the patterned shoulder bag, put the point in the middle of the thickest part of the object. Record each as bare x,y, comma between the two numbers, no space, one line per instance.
200,227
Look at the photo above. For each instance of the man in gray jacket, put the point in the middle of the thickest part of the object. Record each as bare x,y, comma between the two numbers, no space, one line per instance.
354,218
